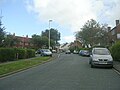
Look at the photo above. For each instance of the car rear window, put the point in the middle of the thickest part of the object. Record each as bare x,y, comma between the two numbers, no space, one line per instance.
101,52
46,50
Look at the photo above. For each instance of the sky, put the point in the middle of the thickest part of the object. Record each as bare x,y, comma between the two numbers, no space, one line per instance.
28,17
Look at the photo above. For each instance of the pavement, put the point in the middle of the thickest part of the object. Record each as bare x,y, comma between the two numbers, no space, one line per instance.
116,65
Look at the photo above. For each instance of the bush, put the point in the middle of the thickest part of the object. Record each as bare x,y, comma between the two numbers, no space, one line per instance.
10,54
25,53
30,53
115,51
7,54
21,53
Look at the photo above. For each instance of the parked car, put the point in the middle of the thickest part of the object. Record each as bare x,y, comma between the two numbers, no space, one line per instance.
46,52
75,52
38,51
101,57
54,51
84,53
68,52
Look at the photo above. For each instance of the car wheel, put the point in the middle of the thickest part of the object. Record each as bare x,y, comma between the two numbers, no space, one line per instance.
42,54
111,67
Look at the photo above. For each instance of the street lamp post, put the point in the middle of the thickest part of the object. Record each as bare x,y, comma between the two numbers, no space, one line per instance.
49,33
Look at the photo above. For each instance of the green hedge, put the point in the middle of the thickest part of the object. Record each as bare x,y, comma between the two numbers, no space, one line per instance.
10,54
30,53
7,54
115,51
20,53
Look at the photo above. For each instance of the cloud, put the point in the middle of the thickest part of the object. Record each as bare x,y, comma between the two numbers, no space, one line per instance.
109,11
114,11
69,38
74,13
66,12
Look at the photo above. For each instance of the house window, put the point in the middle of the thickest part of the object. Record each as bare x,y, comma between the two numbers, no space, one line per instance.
118,36
20,43
113,32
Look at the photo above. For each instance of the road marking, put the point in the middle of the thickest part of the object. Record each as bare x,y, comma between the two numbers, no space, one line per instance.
58,55
116,71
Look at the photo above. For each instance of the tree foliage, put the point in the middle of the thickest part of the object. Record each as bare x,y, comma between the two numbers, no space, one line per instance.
36,40
93,33
115,51
54,34
2,33
40,41
10,41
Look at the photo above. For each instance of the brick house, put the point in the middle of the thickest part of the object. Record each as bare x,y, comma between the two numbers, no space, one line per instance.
23,42
114,34
76,43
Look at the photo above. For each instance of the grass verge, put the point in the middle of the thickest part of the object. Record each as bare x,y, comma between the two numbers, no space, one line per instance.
12,67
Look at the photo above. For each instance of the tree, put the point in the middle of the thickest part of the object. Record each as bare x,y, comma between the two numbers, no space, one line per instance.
40,41
36,41
93,33
10,41
54,34
2,33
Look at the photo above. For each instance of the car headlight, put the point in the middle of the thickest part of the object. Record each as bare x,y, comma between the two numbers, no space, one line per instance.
110,59
95,59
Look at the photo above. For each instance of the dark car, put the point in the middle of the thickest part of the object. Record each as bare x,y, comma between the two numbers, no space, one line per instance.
84,53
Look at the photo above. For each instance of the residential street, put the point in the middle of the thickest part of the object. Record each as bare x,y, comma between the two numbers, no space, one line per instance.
67,72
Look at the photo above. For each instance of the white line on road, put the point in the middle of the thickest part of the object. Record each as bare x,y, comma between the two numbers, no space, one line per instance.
116,71
58,55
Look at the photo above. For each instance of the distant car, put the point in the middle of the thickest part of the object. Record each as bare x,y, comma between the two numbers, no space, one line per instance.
84,53
54,51
75,52
46,52
101,57
68,52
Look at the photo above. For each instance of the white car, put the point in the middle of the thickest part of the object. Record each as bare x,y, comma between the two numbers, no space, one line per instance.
46,52
75,52
54,51
68,52
101,57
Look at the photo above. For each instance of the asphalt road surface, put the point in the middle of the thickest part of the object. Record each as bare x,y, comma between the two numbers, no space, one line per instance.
67,72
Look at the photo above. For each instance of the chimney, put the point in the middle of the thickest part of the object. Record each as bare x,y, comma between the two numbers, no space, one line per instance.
109,28
26,36
117,22
13,34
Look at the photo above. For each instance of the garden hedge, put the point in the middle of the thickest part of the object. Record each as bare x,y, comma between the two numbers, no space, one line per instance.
7,54
10,54
30,53
115,51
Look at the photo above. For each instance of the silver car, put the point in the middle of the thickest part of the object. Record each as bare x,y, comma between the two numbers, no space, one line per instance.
46,52
101,57
68,52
